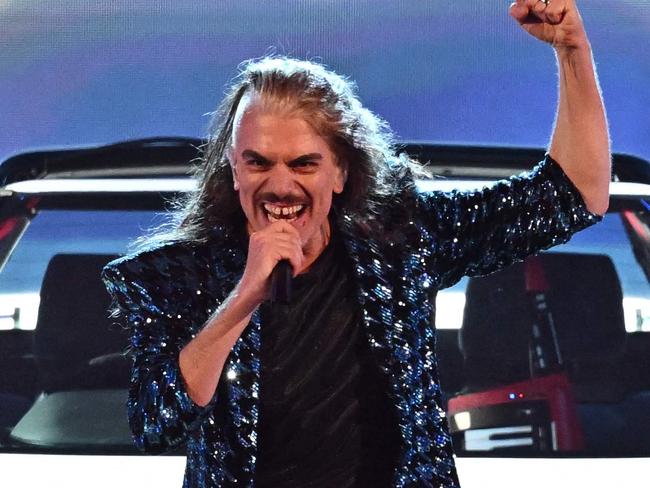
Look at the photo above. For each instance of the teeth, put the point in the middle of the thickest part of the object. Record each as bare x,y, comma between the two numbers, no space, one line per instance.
272,209
275,211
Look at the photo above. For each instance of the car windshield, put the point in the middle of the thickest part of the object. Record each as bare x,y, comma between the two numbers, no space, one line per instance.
64,385
65,375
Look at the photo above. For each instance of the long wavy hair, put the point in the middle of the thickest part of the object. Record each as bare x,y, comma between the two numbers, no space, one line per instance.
362,142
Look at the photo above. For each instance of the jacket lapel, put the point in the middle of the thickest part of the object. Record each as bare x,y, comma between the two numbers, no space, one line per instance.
240,378
374,289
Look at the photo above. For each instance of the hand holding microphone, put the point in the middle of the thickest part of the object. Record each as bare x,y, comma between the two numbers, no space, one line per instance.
274,255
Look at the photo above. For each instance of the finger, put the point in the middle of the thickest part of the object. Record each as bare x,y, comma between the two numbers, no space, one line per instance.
276,239
536,10
539,10
535,5
268,242
292,253
523,11
555,12
284,228
296,260
518,11
268,253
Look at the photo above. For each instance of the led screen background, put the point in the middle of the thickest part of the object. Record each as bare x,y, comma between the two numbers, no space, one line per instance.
82,72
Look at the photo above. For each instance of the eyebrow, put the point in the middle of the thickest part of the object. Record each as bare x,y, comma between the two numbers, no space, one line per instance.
249,153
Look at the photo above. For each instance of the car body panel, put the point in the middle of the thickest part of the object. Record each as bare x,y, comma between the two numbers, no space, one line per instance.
142,176
70,471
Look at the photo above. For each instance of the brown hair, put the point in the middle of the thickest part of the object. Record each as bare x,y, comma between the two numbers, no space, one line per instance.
362,142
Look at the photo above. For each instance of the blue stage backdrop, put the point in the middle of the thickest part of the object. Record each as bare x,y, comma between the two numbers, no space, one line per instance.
79,72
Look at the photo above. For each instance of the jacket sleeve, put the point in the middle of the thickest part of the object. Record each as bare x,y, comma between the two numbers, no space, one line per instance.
478,232
160,410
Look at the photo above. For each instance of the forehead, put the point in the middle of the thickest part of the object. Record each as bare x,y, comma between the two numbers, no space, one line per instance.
271,130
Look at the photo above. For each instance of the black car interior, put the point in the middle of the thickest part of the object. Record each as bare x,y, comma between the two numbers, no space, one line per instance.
69,376
79,371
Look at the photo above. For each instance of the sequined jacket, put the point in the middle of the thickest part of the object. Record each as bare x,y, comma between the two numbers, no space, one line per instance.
428,242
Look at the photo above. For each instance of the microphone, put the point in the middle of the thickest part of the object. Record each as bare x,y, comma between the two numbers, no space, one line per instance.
281,282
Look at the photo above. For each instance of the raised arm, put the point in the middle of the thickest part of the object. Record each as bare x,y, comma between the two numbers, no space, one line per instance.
580,141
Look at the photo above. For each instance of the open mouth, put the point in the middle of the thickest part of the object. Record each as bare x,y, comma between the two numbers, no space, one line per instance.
275,213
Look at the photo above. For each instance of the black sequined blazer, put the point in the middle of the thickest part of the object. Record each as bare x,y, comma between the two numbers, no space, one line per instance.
428,242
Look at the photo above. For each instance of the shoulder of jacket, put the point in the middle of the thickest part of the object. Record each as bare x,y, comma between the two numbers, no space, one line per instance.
180,261
159,256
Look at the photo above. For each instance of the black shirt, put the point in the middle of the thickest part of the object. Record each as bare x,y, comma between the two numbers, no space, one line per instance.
325,417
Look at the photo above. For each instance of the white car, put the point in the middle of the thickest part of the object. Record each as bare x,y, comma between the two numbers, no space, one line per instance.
562,398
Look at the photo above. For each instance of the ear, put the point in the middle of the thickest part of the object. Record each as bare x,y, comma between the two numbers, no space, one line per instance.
341,178
231,160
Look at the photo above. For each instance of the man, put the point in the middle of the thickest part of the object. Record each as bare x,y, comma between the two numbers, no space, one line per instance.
339,388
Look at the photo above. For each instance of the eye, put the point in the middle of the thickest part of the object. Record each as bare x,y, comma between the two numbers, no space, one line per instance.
306,164
259,163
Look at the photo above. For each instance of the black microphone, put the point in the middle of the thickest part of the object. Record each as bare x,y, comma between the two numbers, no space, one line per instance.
281,282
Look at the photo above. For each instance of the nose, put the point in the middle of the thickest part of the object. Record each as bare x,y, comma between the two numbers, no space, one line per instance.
282,182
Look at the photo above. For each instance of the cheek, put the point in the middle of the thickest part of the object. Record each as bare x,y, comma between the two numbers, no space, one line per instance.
323,204
246,189
246,200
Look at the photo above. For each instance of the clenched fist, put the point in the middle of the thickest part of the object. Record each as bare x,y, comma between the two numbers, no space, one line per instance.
556,22
266,248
